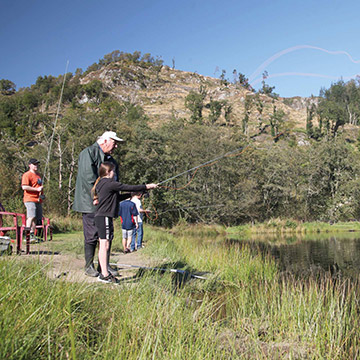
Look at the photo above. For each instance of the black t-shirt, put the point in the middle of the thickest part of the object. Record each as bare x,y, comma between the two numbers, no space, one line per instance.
107,191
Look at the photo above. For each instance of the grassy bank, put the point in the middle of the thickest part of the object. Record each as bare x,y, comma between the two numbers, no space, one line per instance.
279,226
246,309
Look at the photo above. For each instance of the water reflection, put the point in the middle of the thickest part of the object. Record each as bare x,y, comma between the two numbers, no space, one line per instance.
338,254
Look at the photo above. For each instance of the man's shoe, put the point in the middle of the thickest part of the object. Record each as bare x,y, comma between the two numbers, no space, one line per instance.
108,279
112,271
90,271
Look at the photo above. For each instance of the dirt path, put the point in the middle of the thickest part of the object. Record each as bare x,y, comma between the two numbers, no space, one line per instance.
71,266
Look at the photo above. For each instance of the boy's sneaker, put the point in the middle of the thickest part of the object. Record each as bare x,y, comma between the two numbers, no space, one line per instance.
108,279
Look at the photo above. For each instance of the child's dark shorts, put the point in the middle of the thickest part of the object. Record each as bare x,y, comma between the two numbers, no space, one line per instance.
105,227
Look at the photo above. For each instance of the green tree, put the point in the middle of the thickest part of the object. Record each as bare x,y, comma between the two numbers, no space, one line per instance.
247,111
267,89
194,101
223,79
7,87
310,112
94,90
334,115
215,107
244,82
276,121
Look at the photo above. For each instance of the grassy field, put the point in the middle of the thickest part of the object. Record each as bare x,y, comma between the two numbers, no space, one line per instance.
246,309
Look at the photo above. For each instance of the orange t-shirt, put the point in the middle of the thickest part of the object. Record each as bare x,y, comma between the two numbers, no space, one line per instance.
33,180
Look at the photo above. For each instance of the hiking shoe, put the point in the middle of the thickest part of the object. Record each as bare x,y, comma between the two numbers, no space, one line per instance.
110,269
90,271
110,279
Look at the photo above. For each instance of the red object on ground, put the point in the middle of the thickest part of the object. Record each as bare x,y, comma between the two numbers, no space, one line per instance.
19,221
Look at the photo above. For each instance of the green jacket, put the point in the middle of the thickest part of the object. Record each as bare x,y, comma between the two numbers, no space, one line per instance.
88,166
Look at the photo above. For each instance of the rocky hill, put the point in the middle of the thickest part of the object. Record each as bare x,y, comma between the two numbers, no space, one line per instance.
162,92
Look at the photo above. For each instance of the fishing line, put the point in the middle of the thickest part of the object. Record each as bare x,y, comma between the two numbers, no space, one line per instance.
258,80
207,163
295,48
235,152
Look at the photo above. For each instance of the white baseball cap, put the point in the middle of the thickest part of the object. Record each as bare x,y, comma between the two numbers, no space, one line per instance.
110,135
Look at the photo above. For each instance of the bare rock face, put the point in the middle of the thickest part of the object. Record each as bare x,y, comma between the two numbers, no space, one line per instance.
299,103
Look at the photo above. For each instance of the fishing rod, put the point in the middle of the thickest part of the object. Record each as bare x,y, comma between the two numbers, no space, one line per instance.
205,163
183,272
55,123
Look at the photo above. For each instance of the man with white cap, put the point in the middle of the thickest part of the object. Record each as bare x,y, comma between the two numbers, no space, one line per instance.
89,162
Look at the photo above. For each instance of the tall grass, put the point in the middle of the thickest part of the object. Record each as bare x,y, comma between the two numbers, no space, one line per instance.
246,309
53,319
271,313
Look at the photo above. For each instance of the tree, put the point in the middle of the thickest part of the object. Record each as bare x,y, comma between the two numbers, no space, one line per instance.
339,105
94,90
267,89
227,112
247,111
223,80
44,84
194,101
276,120
215,107
7,87
310,112
260,108
334,115
244,82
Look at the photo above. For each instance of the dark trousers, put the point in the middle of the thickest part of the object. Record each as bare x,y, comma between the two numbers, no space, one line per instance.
90,230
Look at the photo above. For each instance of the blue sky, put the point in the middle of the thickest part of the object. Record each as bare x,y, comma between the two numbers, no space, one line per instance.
304,45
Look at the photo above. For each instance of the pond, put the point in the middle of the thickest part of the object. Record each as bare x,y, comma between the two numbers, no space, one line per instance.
338,254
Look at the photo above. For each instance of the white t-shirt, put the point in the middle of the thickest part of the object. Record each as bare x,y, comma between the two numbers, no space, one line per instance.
138,204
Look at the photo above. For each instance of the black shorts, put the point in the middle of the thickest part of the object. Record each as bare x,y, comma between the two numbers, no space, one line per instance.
105,227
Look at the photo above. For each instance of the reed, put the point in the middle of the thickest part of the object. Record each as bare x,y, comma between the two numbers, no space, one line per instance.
246,309
273,314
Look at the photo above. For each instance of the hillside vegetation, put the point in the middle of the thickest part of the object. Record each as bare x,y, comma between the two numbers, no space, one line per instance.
296,157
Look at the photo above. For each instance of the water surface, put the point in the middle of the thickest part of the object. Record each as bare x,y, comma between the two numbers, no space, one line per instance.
338,254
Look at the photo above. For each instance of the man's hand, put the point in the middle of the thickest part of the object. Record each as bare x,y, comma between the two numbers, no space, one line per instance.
151,186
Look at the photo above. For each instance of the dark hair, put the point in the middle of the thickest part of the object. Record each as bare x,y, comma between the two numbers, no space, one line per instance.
136,193
104,170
